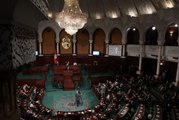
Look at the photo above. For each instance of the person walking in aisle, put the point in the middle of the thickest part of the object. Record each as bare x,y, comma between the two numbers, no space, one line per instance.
78,98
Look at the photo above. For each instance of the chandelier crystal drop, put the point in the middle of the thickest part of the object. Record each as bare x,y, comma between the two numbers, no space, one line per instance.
71,17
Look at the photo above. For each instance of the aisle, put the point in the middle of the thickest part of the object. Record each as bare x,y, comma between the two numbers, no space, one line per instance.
85,81
49,80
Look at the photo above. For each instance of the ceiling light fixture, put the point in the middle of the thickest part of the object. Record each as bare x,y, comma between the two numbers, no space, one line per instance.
71,17
153,28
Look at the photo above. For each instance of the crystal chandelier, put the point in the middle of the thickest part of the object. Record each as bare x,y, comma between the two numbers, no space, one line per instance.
71,17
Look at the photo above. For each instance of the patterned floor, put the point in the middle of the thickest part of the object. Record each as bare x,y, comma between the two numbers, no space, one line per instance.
65,100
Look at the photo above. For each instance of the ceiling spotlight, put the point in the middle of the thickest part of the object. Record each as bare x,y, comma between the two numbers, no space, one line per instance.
50,15
153,28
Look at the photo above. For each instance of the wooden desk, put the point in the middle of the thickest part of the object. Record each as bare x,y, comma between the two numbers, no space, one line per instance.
157,113
68,77
68,83
140,112
58,70
123,111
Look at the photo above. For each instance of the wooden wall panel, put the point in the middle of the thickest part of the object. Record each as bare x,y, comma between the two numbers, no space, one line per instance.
48,44
82,42
99,41
116,37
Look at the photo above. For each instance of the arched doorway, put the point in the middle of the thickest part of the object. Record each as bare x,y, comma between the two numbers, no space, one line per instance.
171,35
151,36
133,36
82,37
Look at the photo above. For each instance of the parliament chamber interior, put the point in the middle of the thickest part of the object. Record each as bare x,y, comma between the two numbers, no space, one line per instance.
89,60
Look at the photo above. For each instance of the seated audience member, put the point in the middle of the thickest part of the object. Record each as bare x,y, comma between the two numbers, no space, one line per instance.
75,63
67,63
108,98
68,68
102,90
163,77
57,63
149,116
25,87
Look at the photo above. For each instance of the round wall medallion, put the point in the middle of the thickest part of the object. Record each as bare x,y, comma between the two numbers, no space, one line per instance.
66,43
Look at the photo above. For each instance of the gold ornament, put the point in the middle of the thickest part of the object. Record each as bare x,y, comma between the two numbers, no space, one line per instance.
66,43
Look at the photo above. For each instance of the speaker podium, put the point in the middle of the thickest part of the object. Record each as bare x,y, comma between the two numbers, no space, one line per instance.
68,83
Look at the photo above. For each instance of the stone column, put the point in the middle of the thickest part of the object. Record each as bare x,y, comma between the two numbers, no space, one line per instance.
124,41
123,50
140,59
177,76
57,44
57,48
158,61
40,49
107,48
141,54
74,45
90,47
178,39
8,104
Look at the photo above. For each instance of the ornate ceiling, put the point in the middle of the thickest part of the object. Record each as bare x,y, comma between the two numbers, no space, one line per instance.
114,9
98,11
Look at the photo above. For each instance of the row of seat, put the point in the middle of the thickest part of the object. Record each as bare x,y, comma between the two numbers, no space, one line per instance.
36,70
40,83
133,100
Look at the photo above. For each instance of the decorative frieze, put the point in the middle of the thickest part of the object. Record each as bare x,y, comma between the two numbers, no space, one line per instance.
22,32
23,46
40,4
18,46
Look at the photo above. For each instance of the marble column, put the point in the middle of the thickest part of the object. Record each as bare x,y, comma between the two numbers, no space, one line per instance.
124,41
123,51
107,48
57,48
90,47
40,49
177,76
158,61
8,104
57,43
74,45
140,59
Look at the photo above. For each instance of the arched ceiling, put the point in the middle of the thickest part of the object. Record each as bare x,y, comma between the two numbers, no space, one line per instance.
98,11
114,9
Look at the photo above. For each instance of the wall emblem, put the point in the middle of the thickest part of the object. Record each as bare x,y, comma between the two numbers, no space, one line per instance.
66,43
